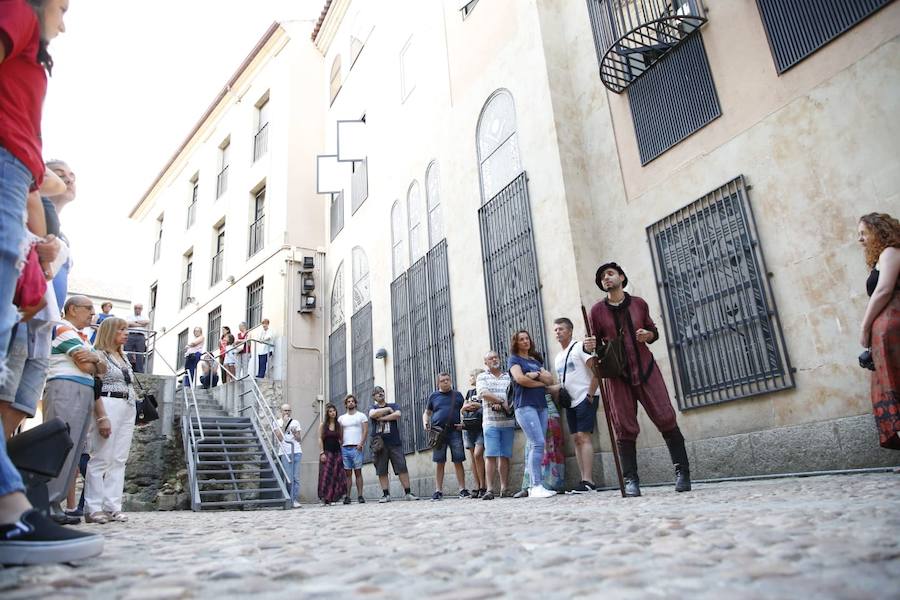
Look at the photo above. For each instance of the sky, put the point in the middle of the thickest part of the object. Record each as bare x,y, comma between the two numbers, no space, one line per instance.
130,80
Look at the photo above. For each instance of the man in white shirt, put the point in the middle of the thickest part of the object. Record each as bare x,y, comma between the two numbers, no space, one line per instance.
264,350
573,373
136,344
290,433
355,428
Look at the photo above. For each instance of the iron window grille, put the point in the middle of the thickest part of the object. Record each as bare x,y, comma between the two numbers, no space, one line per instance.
797,29
673,100
182,344
186,284
192,207
725,336
359,184
337,214
511,281
630,36
213,326
422,337
215,271
363,369
261,142
222,182
337,366
256,233
254,303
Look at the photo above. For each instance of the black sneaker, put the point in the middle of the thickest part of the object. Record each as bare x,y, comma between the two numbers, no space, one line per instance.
584,487
464,493
437,496
34,539
360,500
346,499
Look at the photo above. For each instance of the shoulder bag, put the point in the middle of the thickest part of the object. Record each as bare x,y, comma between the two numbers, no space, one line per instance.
565,398
610,355
438,434
146,405
472,420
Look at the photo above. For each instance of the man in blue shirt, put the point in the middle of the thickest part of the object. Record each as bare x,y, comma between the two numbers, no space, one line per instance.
386,423
443,411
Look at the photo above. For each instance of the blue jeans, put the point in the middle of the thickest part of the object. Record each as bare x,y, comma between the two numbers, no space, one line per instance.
15,181
292,468
10,480
533,422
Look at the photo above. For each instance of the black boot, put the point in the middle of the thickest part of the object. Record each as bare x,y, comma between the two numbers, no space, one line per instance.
628,458
675,442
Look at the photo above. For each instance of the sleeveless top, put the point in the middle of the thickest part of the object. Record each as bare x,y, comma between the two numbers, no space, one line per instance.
331,440
872,282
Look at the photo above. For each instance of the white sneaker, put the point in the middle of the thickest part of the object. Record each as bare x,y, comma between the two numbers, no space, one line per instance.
540,491
296,504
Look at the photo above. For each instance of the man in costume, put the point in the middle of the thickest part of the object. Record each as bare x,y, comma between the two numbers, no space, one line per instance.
623,314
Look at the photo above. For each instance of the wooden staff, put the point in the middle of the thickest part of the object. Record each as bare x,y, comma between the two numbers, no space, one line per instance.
604,397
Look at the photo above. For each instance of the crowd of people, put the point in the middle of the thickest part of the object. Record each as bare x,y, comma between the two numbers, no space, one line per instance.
232,358
88,382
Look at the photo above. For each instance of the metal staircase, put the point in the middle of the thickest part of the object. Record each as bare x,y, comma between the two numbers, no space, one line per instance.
232,461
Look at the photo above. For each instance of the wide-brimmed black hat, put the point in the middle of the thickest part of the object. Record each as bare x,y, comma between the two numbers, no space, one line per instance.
598,278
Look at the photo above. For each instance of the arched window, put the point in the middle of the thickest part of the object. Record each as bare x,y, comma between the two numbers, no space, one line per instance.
498,145
337,298
356,47
433,190
335,77
398,235
360,278
418,232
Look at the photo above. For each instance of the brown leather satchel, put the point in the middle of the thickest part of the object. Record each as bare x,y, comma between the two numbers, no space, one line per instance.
610,363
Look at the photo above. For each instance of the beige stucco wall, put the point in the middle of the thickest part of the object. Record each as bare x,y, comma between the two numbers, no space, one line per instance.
818,145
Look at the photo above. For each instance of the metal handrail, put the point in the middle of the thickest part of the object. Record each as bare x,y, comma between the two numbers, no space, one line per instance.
268,420
178,380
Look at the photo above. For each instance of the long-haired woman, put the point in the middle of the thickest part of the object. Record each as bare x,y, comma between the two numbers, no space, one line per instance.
879,234
332,480
113,427
526,368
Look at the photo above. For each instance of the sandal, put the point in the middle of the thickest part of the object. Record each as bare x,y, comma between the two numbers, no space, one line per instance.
487,496
118,516
98,517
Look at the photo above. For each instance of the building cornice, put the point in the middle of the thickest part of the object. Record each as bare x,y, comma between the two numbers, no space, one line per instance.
329,21
267,42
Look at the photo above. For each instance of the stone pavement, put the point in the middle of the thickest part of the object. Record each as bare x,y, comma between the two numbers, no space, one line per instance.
820,537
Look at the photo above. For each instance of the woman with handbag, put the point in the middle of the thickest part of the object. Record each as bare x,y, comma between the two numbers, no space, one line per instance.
471,415
526,368
879,234
332,480
114,415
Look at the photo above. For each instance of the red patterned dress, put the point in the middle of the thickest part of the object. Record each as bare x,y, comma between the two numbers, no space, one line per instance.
332,479
885,386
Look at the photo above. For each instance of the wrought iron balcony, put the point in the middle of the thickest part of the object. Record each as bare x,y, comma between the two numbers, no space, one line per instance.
256,237
632,35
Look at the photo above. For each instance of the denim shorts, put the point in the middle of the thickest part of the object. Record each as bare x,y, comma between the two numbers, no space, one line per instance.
457,452
25,382
583,417
472,439
15,181
394,454
353,458
498,441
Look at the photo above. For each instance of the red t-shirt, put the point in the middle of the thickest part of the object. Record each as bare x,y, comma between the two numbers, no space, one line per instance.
23,85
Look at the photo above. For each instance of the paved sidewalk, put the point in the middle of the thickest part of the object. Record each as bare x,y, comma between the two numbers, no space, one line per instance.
815,537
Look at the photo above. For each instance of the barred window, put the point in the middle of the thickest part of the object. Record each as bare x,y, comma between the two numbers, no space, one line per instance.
433,190
673,99
360,278
213,325
254,303
398,236
337,365
337,214
725,338
797,29
498,144
182,344
418,231
359,184
337,298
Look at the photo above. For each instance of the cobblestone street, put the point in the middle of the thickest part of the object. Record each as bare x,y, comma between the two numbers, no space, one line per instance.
818,537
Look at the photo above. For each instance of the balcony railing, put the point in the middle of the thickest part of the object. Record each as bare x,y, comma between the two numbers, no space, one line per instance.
157,246
257,236
222,182
260,142
632,35
185,292
215,271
